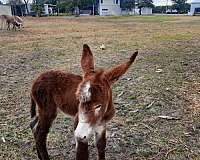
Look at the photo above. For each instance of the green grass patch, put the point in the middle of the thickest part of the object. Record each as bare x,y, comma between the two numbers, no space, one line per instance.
141,18
175,37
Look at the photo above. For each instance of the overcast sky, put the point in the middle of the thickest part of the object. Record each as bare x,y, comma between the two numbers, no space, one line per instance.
156,2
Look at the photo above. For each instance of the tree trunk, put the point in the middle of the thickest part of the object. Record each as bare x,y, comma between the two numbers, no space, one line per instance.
22,14
26,6
140,11
15,10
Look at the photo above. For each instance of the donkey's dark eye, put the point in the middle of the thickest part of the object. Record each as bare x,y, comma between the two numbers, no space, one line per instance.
98,106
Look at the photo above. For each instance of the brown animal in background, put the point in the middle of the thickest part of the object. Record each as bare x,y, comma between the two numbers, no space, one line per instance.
3,21
19,20
88,98
10,20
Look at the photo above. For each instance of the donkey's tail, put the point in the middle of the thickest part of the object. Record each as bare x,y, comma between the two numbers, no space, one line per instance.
33,108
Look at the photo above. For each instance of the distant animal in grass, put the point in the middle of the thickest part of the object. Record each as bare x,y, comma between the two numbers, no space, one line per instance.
102,47
3,21
87,98
10,20
19,20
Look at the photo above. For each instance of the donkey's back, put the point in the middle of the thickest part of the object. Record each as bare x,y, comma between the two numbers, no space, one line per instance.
57,87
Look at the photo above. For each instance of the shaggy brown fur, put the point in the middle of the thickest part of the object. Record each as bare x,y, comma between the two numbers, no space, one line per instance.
57,89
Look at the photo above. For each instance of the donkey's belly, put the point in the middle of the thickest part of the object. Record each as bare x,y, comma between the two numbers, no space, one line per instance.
69,109
67,102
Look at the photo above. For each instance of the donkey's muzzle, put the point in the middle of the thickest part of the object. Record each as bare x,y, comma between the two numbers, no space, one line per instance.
83,131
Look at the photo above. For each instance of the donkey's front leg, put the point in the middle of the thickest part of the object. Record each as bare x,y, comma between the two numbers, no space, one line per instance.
81,150
100,138
81,142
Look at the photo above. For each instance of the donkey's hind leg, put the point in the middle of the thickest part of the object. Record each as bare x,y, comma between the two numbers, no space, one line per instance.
44,122
1,22
8,26
33,126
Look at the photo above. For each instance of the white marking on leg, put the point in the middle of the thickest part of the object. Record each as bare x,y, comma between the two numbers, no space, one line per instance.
76,141
34,122
35,127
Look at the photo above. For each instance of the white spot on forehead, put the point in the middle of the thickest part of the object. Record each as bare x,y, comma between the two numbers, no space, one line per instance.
86,93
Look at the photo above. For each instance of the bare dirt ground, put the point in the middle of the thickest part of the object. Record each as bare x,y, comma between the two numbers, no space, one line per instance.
164,81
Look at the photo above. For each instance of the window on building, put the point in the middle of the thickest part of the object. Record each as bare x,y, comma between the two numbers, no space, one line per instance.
101,1
115,1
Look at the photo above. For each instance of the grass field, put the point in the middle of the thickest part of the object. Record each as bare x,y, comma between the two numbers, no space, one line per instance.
164,81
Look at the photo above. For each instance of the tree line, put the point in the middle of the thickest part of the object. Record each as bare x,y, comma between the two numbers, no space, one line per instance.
181,6
66,6
69,6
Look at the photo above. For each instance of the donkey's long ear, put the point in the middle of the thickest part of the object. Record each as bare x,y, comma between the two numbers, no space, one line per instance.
115,73
87,62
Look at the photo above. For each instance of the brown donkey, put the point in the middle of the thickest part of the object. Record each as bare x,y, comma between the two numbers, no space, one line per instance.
88,98
10,20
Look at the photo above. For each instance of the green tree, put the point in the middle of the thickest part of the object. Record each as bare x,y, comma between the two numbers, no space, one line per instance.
128,4
71,5
51,1
26,5
160,9
181,6
65,6
38,7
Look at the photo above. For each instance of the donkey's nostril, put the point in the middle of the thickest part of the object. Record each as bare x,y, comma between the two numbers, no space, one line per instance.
84,137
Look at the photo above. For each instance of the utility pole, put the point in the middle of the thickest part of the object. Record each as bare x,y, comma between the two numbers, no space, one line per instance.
166,7
93,7
58,9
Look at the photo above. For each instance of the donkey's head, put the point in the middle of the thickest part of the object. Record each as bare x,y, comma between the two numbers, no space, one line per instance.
95,94
17,24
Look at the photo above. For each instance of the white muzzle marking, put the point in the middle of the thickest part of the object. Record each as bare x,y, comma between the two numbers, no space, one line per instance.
83,131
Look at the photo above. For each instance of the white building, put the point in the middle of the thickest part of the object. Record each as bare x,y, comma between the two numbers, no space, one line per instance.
48,9
112,7
146,11
195,7
5,9
136,11
109,7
